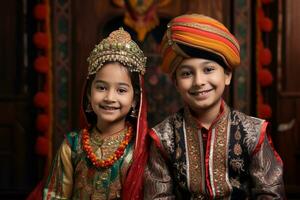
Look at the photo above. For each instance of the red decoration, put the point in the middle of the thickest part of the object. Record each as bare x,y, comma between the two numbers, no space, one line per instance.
41,64
260,14
265,56
260,99
266,1
266,24
40,40
41,100
265,111
42,122
116,155
42,146
40,11
265,77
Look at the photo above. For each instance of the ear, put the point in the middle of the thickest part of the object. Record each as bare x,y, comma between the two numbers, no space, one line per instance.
228,75
133,105
88,94
174,79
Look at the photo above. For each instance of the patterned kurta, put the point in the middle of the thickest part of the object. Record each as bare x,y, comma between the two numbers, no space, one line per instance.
239,161
74,177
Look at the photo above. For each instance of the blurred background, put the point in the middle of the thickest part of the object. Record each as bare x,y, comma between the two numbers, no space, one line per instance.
43,49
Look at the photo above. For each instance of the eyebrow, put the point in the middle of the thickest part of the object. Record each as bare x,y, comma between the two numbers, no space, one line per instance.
119,83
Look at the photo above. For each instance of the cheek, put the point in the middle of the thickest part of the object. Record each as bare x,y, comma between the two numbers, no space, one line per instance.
128,100
183,85
96,96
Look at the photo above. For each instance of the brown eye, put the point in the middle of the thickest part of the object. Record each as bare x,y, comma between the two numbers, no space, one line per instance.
208,69
185,74
122,90
100,87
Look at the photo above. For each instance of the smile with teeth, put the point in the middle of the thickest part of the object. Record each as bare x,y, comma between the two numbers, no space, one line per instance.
108,107
200,92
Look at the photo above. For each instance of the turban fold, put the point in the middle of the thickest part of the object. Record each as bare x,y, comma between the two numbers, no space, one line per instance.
195,35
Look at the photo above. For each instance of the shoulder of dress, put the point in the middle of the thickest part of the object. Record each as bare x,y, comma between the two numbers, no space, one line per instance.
168,124
253,129
72,138
242,117
164,133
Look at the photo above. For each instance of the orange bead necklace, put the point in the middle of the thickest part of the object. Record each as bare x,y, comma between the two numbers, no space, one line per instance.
111,159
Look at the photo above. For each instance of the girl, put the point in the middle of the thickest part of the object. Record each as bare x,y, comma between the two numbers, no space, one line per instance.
104,160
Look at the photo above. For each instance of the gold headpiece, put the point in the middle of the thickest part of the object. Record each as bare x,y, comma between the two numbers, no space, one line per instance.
119,47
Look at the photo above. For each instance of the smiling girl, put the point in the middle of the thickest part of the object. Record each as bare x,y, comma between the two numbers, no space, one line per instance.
104,160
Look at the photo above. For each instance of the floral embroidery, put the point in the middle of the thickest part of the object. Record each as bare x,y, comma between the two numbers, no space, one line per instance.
235,182
237,164
237,149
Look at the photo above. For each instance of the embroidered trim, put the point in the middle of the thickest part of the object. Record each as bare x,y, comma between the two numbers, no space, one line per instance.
220,184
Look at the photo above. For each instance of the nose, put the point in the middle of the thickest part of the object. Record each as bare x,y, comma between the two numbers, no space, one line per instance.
199,79
110,96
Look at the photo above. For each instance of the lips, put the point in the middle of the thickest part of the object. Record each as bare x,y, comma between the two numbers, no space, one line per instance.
109,108
201,93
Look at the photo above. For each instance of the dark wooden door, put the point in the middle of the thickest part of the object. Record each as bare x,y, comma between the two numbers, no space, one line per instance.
287,138
17,166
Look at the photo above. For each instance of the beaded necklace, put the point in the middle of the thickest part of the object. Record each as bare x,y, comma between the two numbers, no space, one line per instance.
86,143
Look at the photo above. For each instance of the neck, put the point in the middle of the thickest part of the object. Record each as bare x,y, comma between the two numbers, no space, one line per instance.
206,117
107,129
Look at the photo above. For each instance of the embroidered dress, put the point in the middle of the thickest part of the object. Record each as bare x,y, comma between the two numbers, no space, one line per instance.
239,161
74,176
90,167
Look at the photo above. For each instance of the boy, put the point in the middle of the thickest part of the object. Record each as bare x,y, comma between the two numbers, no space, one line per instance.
206,150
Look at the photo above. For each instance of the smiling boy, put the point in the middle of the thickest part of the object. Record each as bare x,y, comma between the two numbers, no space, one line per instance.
207,150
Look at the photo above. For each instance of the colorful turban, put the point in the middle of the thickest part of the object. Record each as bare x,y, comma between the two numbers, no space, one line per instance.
195,35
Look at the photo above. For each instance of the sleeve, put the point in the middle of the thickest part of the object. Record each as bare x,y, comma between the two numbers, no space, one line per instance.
158,183
266,170
60,180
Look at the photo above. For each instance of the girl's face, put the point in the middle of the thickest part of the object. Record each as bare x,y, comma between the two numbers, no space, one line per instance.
201,83
112,94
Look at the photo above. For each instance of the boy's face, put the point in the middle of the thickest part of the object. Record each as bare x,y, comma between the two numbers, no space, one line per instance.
201,83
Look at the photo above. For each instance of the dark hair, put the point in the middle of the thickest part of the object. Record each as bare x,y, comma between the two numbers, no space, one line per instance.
135,81
200,53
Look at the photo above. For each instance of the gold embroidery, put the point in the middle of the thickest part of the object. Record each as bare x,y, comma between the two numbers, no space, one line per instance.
195,160
220,156
106,147
237,164
235,182
96,184
237,135
237,149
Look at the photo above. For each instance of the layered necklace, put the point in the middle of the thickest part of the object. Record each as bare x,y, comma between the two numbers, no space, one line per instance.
86,143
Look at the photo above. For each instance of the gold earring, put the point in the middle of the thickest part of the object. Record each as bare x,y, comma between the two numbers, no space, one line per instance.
133,112
89,108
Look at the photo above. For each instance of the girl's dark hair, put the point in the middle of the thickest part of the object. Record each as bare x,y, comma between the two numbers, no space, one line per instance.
135,81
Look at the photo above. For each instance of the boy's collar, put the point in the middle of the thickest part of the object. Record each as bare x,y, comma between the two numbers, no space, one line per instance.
191,120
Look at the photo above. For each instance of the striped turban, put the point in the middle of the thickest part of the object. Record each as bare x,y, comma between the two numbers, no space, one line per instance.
194,35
